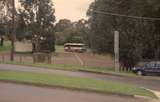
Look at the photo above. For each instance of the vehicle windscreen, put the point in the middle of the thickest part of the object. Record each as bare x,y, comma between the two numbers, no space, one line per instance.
149,65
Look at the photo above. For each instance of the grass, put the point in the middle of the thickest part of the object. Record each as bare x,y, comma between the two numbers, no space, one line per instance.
59,49
49,66
75,83
74,68
6,47
82,68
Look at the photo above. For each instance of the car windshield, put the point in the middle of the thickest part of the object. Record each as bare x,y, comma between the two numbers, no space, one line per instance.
158,64
149,65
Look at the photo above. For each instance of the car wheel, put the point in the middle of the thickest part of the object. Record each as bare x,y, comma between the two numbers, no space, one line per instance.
140,73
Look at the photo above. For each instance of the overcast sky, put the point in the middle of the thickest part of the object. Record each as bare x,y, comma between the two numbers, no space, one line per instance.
71,9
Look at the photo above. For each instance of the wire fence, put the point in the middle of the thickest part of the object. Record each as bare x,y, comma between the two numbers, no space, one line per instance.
78,59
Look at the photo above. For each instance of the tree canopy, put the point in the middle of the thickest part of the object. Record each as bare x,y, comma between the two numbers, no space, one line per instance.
72,32
139,38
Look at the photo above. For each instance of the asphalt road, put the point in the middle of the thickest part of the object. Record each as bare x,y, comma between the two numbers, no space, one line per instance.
22,93
147,83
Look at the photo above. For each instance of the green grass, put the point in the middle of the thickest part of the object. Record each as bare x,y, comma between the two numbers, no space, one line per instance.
68,67
74,68
6,47
76,83
82,68
49,66
59,49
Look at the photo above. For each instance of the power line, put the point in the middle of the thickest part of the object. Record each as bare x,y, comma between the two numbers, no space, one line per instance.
121,15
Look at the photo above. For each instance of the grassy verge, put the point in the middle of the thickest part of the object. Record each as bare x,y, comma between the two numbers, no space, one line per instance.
49,66
74,68
59,49
6,47
109,71
75,83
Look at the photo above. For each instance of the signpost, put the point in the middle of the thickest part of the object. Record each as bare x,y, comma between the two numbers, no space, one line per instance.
116,50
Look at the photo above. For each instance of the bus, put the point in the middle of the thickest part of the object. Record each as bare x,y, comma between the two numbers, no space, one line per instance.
75,47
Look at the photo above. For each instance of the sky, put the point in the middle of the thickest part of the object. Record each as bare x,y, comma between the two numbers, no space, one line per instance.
71,9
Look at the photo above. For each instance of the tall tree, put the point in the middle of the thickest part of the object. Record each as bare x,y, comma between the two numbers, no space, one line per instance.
63,24
83,31
39,17
136,35
5,16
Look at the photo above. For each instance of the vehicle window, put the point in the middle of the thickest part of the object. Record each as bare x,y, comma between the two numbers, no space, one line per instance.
158,65
150,65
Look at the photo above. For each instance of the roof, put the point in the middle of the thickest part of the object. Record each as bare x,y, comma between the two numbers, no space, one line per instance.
74,44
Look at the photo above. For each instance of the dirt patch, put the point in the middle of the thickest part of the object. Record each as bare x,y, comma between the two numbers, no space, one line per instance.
67,58
96,60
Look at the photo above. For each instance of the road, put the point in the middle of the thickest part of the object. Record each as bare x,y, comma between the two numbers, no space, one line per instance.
22,93
147,83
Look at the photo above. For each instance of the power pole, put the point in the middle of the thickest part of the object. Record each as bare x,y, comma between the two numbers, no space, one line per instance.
116,50
13,31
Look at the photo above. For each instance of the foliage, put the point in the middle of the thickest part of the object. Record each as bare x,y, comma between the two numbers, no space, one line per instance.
6,47
5,17
33,17
37,17
63,24
71,32
138,37
2,28
2,18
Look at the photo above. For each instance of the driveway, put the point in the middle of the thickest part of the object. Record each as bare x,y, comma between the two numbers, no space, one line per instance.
147,83
22,93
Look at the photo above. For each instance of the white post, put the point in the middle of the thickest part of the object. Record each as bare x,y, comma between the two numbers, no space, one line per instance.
116,50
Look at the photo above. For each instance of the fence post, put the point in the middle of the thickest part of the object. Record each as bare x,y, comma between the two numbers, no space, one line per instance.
20,58
3,58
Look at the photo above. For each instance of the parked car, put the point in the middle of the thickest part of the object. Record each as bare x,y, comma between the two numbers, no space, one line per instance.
152,68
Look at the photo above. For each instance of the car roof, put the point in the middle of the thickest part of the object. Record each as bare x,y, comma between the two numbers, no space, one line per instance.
157,62
74,44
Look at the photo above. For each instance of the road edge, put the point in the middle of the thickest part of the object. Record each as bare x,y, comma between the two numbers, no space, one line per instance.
85,71
112,74
66,88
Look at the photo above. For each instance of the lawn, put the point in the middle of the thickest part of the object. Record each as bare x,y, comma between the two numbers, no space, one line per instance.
6,47
59,49
75,83
75,68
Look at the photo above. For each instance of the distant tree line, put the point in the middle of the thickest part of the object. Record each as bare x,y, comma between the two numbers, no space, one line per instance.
72,32
139,38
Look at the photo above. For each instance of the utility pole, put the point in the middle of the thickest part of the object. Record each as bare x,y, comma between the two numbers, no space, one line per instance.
13,31
116,50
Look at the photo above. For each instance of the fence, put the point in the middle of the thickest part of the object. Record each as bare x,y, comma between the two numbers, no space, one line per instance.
79,59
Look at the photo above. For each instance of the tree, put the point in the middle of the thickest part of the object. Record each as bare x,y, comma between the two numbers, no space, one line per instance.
83,31
71,32
2,22
63,29
63,24
21,27
2,17
136,35
39,18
